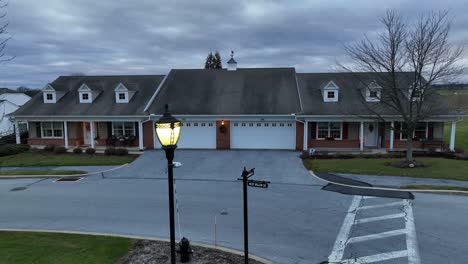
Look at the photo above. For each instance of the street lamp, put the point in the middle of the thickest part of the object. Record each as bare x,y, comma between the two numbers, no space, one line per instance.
168,131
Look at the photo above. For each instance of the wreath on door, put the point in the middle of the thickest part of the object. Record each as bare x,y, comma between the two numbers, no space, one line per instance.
222,129
371,128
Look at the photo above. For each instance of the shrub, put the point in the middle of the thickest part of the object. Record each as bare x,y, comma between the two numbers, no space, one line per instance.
23,147
90,151
109,151
77,150
49,148
12,149
121,151
60,150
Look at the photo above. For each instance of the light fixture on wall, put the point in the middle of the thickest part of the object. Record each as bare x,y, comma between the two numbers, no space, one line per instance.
222,127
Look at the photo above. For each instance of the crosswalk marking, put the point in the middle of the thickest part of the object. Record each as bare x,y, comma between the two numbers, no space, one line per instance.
344,238
380,205
377,257
379,218
377,236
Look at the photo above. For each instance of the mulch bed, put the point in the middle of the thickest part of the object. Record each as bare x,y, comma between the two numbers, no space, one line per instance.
158,252
403,164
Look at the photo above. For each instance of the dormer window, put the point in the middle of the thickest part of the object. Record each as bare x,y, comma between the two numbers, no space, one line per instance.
330,92
122,94
49,94
373,92
86,94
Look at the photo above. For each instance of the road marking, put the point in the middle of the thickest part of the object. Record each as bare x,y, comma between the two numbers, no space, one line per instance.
380,205
377,236
411,239
379,218
341,241
377,257
369,197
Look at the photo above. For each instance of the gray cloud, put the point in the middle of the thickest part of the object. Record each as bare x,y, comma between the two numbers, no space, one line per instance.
54,37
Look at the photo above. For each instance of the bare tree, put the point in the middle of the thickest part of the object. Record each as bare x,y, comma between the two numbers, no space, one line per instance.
406,60
4,37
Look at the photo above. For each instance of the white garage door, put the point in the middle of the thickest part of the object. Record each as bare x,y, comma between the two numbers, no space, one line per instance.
263,135
198,135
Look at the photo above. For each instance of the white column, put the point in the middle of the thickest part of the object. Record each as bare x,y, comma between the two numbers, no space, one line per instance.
452,136
306,134
17,133
91,126
361,136
65,132
140,135
392,134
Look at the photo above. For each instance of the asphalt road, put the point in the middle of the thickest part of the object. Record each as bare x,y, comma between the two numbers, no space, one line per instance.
293,221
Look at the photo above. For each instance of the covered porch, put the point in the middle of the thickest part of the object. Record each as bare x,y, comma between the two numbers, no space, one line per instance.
98,134
374,137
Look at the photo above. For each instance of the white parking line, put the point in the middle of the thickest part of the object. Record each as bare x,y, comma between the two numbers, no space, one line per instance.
377,236
377,257
379,218
341,240
411,239
380,205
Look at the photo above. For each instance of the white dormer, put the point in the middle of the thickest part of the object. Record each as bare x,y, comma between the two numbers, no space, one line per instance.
415,94
122,94
49,94
373,92
330,92
85,94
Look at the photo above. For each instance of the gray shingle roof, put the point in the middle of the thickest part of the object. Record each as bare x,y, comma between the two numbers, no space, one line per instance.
351,88
266,91
104,105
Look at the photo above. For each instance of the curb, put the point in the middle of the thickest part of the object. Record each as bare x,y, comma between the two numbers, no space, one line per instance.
228,250
60,176
391,189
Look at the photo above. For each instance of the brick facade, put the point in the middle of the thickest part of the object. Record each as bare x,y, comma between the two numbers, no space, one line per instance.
299,135
46,141
148,141
345,143
223,138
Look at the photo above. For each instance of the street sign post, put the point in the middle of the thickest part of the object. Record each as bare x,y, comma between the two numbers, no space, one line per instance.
246,174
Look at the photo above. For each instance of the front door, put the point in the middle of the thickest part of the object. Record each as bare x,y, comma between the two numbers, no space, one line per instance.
371,134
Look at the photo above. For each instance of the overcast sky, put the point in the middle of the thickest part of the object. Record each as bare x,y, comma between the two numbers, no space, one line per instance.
96,37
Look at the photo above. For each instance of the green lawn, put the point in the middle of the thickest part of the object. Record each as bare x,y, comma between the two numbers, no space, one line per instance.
438,168
40,172
50,248
461,136
68,159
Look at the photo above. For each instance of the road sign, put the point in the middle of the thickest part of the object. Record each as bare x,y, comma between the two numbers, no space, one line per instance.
259,184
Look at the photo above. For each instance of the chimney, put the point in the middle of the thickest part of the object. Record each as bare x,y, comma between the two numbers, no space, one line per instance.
232,63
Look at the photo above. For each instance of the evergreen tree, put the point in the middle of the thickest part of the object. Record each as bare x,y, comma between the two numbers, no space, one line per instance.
209,61
217,61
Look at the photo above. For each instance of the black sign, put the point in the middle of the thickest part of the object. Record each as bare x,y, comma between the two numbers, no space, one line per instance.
259,184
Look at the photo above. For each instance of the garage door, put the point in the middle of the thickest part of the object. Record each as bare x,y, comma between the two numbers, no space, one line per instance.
263,135
198,135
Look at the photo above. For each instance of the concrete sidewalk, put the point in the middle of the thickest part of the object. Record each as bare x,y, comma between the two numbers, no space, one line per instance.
397,181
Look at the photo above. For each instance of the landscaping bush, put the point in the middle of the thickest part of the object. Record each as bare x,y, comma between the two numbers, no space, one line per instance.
49,148
90,151
12,149
60,150
109,151
121,151
77,150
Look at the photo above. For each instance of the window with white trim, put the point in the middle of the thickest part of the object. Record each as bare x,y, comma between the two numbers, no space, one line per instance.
49,97
123,129
330,130
420,131
51,129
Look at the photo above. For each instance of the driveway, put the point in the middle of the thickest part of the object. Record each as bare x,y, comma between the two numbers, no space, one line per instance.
293,221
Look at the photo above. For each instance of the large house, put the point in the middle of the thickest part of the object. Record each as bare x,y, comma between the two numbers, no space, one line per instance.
234,108
10,101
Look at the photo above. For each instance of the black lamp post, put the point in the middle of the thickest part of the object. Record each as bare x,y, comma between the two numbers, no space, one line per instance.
168,131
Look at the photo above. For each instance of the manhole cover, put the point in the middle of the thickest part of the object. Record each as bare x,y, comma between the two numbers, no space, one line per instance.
69,179
18,189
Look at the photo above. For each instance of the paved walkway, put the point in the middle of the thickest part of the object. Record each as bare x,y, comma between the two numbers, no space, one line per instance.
397,182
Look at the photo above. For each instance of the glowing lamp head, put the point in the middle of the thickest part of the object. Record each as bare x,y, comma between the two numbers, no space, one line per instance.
222,122
168,130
